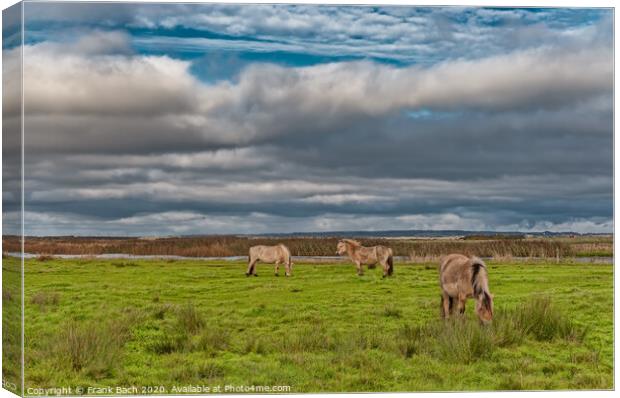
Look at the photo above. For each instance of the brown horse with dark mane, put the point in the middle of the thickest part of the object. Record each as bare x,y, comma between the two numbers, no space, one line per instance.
460,278
367,255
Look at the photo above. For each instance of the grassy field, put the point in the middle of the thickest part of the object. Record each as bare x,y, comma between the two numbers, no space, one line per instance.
11,324
173,323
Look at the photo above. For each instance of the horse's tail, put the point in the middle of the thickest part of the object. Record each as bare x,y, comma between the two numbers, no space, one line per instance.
287,254
390,262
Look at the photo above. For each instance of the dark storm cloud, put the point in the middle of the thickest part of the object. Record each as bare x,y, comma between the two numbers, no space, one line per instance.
122,142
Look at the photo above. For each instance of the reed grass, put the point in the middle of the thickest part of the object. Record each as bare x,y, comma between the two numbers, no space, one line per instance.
498,247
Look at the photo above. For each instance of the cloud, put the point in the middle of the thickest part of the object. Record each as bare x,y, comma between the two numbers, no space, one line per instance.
105,85
180,223
144,92
425,35
516,137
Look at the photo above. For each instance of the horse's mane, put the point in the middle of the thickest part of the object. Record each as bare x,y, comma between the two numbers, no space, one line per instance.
352,242
478,279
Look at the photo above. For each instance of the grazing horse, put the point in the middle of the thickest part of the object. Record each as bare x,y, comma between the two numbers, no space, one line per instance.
461,277
367,255
278,254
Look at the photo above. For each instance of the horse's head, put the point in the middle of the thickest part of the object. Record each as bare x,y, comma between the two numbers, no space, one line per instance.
484,307
341,248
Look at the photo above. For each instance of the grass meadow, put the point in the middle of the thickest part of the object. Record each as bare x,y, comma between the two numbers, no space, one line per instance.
171,323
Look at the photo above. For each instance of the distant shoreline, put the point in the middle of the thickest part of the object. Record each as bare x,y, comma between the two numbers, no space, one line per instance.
301,259
388,234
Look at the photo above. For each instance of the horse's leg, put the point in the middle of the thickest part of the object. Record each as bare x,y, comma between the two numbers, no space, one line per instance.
277,268
254,267
450,305
251,263
461,304
386,268
287,267
360,272
446,304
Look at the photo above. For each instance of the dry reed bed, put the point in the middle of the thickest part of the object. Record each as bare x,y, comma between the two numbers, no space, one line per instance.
223,246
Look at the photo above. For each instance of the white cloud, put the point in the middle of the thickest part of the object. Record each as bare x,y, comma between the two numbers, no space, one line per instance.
182,222
581,225
155,85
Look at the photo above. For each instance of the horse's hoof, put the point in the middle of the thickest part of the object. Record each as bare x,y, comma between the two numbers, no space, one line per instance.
255,274
277,274
247,274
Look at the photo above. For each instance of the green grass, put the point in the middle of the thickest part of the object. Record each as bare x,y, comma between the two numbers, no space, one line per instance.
104,323
11,324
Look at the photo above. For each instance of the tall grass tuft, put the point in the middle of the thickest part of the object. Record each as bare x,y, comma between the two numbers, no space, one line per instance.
466,340
309,339
463,341
178,333
539,318
455,340
209,370
212,340
92,347
189,319
392,311
412,340
167,343
43,299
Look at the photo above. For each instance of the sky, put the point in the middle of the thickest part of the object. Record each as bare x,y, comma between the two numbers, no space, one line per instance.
172,119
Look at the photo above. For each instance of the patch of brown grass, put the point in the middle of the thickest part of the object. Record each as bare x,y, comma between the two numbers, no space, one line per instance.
43,299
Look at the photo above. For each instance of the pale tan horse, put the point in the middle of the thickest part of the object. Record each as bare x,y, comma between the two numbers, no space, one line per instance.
460,278
278,254
370,256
